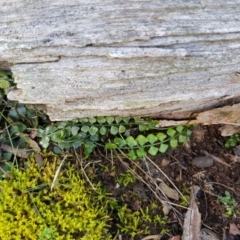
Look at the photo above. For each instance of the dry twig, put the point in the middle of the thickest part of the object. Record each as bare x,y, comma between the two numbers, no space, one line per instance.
223,185
217,159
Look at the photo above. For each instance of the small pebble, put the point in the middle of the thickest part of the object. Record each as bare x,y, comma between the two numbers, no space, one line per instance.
164,162
202,162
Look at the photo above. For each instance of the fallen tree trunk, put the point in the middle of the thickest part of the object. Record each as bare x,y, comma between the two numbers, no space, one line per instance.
165,58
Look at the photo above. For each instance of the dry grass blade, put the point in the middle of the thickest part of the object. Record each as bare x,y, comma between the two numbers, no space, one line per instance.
5,173
83,170
92,162
57,173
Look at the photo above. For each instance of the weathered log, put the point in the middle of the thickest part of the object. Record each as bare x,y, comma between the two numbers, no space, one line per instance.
81,58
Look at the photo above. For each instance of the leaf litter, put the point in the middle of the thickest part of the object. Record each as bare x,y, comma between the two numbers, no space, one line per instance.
176,172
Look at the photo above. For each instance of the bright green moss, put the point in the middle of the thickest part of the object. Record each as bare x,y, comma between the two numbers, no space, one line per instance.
29,210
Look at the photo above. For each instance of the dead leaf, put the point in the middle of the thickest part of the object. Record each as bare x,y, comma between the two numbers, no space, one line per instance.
224,115
232,158
233,229
166,207
38,159
229,130
22,153
170,192
229,115
206,234
32,144
192,221
152,237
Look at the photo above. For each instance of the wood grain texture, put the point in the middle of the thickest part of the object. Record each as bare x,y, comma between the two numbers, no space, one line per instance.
81,58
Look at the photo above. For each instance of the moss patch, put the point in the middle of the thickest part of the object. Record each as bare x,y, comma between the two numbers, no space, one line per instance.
72,211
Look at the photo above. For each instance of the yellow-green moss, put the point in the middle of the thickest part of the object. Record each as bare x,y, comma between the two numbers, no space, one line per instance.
30,210
71,211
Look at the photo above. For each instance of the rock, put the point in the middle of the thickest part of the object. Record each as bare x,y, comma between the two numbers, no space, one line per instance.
202,162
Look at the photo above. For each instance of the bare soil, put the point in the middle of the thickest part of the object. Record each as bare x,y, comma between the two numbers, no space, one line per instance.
177,164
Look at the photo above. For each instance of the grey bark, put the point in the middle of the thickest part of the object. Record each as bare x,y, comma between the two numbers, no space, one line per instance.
81,58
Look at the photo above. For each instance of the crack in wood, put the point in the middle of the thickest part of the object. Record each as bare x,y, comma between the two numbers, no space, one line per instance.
39,62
